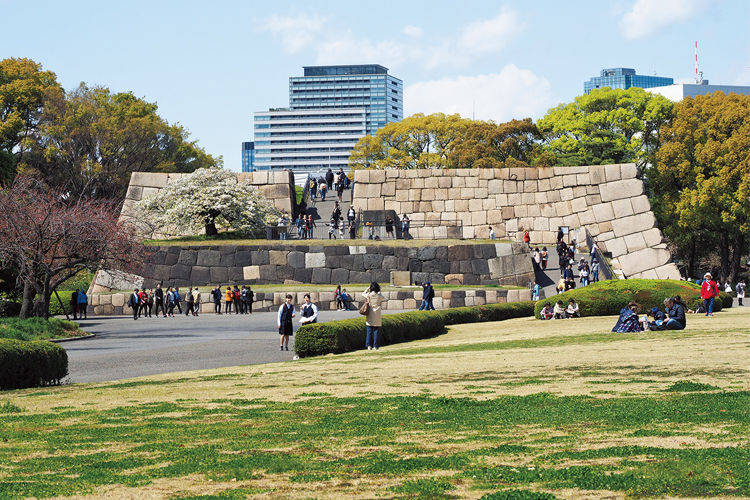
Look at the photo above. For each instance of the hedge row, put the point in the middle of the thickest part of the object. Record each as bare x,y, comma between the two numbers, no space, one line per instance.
31,364
607,298
349,334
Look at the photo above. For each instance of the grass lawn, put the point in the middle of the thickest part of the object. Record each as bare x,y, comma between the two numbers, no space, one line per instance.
563,408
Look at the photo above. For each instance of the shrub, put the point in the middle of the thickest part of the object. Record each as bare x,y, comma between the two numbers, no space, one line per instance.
349,334
607,298
31,364
37,329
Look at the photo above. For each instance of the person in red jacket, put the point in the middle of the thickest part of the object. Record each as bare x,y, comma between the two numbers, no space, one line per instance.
709,291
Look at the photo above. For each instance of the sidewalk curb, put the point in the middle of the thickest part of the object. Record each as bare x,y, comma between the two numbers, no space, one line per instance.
57,341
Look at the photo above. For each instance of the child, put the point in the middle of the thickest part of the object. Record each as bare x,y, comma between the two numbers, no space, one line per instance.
547,312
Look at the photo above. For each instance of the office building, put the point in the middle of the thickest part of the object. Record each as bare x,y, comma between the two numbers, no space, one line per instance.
624,78
679,91
248,156
307,139
330,109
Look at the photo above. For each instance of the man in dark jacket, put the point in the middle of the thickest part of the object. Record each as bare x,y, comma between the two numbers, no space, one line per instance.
677,320
428,293
329,178
74,303
159,300
134,303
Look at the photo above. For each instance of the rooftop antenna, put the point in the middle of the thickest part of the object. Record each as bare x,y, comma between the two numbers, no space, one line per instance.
473,109
697,80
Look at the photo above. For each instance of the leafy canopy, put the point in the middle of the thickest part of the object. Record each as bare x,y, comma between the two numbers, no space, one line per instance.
208,199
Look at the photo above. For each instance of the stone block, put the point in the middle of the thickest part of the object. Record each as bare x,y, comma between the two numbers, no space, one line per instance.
667,272
619,190
376,204
603,212
553,196
635,242
315,259
562,208
189,257
296,260
321,276
622,208
633,224
642,260
640,204
217,275
251,272
612,173
118,299
578,205
628,171
513,296
260,257
653,237
368,190
569,180
567,194
277,257
597,175
587,217
580,191
571,221
149,179
617,247
472,182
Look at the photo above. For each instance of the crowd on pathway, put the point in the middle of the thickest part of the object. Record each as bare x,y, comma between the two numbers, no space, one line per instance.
146,303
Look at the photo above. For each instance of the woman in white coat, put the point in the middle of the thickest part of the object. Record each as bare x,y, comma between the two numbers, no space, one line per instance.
373,319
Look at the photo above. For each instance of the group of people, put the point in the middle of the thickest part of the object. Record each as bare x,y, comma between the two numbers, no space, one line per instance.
309,314
672,318
146,303
79,304
337,222
560,311
343,299
587,273
338,181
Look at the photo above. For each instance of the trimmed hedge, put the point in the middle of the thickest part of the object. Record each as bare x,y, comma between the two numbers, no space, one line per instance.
349,335
607,298
31,364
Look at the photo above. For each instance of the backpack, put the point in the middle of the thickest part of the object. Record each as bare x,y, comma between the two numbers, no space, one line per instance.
237,295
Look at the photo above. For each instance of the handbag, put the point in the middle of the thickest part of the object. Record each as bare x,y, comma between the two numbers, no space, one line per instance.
365,309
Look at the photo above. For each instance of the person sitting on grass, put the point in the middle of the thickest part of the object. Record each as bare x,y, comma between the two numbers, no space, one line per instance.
676,313
547,312
658,316
628,320
559,311
572,311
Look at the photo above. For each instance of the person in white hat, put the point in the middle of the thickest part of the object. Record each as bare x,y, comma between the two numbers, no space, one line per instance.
709,291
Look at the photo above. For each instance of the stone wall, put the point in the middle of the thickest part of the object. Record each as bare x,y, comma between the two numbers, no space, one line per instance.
607,200
114,304
471,264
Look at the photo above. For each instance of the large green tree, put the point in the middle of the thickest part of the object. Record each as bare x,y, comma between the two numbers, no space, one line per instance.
91,140
24,86
607,126
701,180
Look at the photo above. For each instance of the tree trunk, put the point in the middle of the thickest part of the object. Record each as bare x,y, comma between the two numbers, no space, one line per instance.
691,259
211,229
41,307
724,256
737,251
28,301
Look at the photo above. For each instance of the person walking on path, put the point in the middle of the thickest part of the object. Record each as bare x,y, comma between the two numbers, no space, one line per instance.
189,302
284,322
177,299
740,288
243,300
545,258
143,296
229,297
134,303
428,293
594,270
216,295
310,227
329,178
308,311
709,291
83,304
197,300
159,300
373,319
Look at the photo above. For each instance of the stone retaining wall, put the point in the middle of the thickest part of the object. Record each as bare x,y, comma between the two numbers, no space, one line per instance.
607,200
114,304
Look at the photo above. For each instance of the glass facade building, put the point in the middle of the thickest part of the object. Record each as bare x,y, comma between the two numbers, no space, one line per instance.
248,156
624,78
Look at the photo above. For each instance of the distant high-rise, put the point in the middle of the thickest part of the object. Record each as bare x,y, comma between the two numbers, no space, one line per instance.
330,109
248,156
624,78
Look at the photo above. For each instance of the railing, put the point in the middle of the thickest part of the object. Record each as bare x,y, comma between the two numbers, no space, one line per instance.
418,230
604,268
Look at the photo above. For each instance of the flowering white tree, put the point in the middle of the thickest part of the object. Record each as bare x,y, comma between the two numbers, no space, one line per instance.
210,198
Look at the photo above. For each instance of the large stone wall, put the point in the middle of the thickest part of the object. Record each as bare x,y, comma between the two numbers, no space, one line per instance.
470,264
607,200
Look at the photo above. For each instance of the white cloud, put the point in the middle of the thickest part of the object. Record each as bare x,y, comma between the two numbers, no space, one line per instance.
346,48
513,93
296,33
647,17
414,31
483,37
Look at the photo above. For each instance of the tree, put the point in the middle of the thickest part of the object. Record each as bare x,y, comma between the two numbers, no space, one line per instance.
700,183
23,90
607,126
208,199
50,239
91,140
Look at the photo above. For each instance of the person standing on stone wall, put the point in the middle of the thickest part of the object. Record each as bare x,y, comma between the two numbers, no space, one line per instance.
389,227
159,300
405,223
284,322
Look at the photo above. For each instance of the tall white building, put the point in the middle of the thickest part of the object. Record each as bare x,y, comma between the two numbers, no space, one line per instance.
679,91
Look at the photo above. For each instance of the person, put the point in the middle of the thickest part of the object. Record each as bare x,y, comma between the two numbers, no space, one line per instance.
572,311
216,296
332,230
150,302
177,299
143,303
313,188
570,282
170,302
159,300
329,178
310,226
594,270
536,259
340,186
352,231
337,298
284,322
428,293
389,227
560,235
545,258
492,233
628,320
585,274
535,291
561,285
236,296
74,303
197,301
308,311
351,214
250,300
547,312
405,223
371,230
345,299
373,320
300,224
562,255
659,318
709,291
728,287
559,310
134,303
190,302
527,238
336,214
283,222
594,248
229,296
82,304
323,191
740,288
677,319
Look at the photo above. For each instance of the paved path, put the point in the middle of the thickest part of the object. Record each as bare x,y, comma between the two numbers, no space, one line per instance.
124,348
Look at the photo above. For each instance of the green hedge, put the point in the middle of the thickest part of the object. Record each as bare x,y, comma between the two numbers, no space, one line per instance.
349,334
31,364
38,329
607,298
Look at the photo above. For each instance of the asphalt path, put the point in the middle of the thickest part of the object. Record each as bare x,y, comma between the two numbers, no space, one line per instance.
124,348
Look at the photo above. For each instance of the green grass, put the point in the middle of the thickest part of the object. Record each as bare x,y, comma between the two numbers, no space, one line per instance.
38,329
63,451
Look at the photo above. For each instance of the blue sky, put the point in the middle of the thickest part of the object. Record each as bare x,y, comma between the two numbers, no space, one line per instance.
210,65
